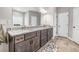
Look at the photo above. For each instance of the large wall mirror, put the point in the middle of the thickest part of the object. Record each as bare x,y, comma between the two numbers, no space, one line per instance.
34,18
17,18
28,18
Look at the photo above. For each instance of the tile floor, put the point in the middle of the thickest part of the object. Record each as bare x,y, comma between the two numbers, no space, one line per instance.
60,44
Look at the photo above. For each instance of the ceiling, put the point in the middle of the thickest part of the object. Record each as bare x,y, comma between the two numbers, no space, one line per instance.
25,9
43,10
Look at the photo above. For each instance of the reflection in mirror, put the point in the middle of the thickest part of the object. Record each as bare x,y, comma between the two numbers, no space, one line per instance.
33,21
17,18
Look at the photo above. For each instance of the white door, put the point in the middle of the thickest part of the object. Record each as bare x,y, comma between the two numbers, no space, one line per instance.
76,24
63,24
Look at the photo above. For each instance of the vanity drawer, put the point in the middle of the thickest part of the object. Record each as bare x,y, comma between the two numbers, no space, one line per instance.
19,38
30,35
43,31
44,37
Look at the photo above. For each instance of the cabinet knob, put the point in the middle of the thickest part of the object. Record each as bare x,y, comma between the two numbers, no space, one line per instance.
73,26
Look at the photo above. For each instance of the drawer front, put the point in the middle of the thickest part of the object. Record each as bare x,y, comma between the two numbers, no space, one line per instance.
30,35
43,36
43,31
19,38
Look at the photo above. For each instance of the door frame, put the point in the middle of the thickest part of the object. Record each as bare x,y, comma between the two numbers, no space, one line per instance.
57,23
74,28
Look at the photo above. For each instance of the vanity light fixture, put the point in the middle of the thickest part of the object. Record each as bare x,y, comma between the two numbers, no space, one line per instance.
43,11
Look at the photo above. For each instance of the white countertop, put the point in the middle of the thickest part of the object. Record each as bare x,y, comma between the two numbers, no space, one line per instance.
24,31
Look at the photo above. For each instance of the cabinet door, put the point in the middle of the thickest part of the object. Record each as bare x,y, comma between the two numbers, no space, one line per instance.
43,37
36,43
50,33
27,46
31,45
43,42
22,46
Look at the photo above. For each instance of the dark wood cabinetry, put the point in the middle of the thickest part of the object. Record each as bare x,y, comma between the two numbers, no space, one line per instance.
50,33
30,42
43,37
30,35
25,43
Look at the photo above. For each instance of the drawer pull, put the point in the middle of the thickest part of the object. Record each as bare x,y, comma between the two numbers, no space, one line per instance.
17,39
21,37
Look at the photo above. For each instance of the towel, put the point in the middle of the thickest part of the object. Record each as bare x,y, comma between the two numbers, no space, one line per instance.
2,37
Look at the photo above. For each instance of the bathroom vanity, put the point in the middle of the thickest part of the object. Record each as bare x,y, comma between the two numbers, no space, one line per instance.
29,40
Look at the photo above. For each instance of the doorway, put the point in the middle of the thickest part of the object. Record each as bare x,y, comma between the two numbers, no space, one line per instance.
63,24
